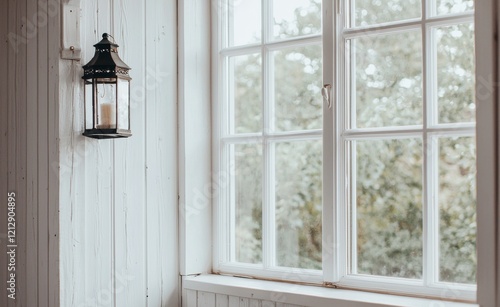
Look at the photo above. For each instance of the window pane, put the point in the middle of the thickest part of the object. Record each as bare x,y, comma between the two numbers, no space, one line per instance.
246,94
298,75
248,202
89,106
296,17
244,21
387,72
389,207
455,64
123,105
454,6
106,104
457,210
298,204
370,12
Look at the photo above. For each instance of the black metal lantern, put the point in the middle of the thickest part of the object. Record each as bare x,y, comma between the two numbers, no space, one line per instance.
107,93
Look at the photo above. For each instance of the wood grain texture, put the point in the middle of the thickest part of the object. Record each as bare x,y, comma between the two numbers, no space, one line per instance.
195,204
221,300
4,144
29,144
32,158
208,299
43,162
20,127
120,242
54,28
161,173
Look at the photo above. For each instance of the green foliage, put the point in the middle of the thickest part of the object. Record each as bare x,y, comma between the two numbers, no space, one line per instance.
388,185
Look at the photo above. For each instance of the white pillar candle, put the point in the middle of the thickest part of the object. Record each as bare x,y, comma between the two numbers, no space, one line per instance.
108,116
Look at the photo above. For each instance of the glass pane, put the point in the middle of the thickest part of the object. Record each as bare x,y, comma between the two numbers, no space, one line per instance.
89,113
247,197
370,12
389,207
299,204
246,94
298,75
296,17
244,21
454,6
123,101
457,210
387,73
455,64
106,108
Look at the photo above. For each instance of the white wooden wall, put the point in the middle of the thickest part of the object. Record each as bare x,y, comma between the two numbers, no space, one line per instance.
29,86
96,220
206,299
119,197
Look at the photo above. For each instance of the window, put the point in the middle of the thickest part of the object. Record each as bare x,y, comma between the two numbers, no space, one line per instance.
376,191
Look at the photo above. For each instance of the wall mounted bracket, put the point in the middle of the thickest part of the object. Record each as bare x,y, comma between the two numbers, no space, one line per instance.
70,40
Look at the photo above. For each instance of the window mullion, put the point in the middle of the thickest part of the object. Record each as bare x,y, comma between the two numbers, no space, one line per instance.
431,211
268,214
431,151
268,190
329,220
344,165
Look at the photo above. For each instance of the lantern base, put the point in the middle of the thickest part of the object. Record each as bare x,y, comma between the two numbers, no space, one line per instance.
107,133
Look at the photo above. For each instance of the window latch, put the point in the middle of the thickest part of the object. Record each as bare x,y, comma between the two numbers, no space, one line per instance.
325,91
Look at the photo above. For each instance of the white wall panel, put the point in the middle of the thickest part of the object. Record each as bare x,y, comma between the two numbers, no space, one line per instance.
29,90
120,243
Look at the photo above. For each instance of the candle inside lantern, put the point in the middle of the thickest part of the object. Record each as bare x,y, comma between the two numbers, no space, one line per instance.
107,116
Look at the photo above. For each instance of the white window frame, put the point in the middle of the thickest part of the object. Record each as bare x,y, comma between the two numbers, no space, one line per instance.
222,253
195,224
429,285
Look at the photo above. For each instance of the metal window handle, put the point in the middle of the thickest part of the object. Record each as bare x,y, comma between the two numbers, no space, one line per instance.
325,91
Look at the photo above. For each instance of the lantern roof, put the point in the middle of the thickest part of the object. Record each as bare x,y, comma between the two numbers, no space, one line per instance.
106,63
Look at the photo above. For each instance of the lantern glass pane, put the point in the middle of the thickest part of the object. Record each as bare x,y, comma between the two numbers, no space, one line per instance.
123,104
89,114
106,99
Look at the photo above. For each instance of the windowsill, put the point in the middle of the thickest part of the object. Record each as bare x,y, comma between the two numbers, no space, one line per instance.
304,295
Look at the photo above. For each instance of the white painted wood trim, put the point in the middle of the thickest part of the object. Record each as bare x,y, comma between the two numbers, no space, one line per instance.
194,94
488,269
302,295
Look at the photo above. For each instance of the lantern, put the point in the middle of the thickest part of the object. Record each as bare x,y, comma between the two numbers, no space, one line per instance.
107,93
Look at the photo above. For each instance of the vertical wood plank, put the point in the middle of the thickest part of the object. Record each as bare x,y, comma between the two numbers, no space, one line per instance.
11,111
11,96
221,300
72,185
53,17
32,157
206,299
21,155
161,156
234,301
130,164
191,298
72,182
194,137
254,303
268,304
43,163
90,282
99,285
4,141
244,302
